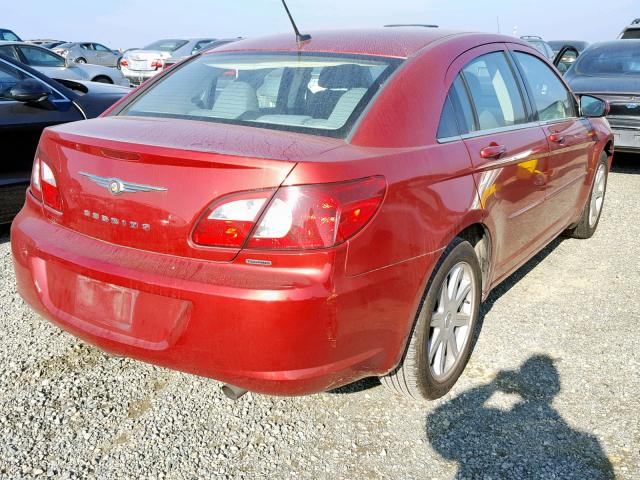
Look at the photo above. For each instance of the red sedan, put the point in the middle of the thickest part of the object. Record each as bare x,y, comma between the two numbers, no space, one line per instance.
290,217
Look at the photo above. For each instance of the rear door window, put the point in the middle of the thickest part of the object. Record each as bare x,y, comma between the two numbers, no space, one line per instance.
494,91
39,57
551,98
9,77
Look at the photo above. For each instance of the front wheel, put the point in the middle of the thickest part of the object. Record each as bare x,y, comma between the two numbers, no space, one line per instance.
588,223
80,60
445,329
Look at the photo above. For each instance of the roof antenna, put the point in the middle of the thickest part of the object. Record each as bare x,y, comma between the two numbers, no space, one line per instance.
299,36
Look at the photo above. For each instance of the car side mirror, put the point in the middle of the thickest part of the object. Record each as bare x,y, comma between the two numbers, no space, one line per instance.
30,90
593,106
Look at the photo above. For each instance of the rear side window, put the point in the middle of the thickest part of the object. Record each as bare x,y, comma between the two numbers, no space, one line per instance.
304,92
9,77
494,90
448,126
551,98
39,57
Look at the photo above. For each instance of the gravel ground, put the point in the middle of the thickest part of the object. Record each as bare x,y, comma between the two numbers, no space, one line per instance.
552,391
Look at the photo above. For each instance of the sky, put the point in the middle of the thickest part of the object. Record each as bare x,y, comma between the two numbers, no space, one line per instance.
136,23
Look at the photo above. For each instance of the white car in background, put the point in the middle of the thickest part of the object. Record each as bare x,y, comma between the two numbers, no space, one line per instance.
55,66
142,64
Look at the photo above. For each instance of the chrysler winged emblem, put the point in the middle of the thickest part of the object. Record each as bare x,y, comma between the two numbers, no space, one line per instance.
115,186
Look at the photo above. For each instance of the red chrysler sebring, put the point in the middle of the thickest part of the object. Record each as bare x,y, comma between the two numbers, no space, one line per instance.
290,217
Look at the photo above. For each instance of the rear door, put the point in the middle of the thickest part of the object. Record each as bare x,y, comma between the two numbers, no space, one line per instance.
570,137
507,150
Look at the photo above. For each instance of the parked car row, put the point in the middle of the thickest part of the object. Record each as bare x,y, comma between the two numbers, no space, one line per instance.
55,66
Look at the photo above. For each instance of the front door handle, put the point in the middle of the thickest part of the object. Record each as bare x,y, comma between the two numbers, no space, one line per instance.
556,138
493,150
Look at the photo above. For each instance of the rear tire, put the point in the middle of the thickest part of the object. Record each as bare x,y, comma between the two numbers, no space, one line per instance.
102,79
588,223
445,325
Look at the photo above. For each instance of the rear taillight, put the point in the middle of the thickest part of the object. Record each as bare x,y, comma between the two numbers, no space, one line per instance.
36,191
296,218
228,222
124,63
157,64
49,187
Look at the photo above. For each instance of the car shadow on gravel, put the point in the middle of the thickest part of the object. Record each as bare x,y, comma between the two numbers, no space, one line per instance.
4,233
626,163
496,293
508,428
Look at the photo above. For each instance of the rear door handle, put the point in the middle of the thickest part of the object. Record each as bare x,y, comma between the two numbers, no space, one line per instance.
556,138
493,151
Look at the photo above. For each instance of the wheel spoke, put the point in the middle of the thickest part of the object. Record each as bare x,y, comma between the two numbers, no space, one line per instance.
462,320
452,348
436,341
443,357
454,282
437,320
462,293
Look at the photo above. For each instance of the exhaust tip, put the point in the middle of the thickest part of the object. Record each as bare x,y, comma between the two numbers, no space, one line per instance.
232,392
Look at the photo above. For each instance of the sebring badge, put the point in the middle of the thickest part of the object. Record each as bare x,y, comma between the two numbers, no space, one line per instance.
115,186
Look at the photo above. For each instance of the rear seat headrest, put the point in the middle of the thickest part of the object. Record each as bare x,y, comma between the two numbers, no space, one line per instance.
345,76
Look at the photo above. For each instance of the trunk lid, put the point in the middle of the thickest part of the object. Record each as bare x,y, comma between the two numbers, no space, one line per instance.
170,171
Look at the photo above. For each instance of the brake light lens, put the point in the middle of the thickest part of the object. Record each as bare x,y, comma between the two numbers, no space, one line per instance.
36,191
157,64
124,63
228,222
318,216
295,218
49,187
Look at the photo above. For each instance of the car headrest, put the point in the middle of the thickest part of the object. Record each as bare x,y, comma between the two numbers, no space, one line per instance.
345,76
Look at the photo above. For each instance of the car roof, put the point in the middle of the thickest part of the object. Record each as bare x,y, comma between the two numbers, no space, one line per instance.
400,42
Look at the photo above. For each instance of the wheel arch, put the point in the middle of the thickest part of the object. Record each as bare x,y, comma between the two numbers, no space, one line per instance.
480,238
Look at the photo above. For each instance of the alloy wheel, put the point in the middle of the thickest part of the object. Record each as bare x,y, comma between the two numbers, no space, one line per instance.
597,195
451,320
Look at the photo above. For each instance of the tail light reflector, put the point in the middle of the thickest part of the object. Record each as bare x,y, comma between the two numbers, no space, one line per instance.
124,63
36,190
228,222
158,63
296,218
49,187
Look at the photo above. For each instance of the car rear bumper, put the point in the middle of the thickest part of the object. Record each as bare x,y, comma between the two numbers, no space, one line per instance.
626,140
283,331
136,77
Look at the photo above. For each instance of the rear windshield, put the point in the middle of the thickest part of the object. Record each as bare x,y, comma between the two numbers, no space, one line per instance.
310,93
8,35
166,45
620,58
631,33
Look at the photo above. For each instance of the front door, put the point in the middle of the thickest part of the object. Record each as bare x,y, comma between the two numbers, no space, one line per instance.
570,138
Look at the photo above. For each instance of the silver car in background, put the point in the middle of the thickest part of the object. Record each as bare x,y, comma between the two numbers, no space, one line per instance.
88,52
142,64
55,66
